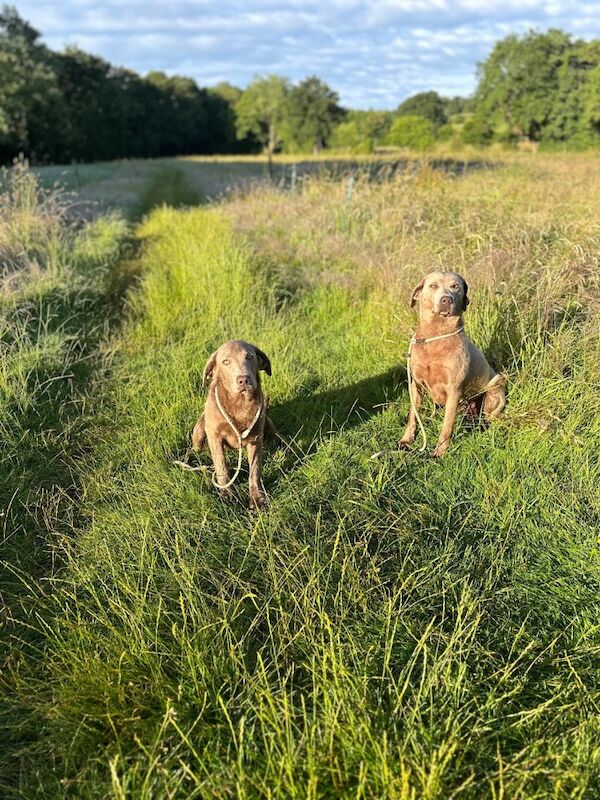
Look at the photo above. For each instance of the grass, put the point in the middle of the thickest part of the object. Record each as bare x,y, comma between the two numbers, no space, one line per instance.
405,628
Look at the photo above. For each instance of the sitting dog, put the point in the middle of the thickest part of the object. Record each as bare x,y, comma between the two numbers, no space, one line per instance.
444,361
235,414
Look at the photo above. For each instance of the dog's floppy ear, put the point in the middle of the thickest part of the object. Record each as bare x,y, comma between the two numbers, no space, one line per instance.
263,361
466,300
208,369
417,292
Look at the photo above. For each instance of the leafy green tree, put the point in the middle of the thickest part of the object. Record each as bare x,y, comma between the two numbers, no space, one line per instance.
519,81
348,136
411,131
361,131
457,105
569,120
428,105
477,131
261,110
312,112
590,121
29,97
222,100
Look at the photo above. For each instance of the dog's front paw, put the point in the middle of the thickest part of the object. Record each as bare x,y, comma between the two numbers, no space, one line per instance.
226,495
439,451
403,445
258,502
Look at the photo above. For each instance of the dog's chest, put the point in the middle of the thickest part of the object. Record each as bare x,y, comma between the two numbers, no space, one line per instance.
242,420
438,368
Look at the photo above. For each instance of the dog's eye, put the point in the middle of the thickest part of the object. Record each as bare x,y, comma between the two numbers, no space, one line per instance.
248,356
225,361
455,286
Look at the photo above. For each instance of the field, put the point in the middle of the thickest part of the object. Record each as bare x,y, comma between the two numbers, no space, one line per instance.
402,628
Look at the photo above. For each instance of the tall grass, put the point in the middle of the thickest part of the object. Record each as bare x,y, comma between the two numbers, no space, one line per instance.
404,628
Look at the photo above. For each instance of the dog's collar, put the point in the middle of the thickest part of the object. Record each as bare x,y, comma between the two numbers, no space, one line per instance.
415,340
228,419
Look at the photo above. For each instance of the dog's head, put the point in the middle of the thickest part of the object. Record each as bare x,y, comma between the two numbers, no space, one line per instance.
236,365
441,294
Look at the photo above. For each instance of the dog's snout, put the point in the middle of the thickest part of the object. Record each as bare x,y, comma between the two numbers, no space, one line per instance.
243,381
445,301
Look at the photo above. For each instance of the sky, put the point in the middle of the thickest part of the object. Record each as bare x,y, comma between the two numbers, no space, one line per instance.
374,53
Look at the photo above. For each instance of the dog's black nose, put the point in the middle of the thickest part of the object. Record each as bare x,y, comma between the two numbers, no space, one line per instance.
445,301
243,381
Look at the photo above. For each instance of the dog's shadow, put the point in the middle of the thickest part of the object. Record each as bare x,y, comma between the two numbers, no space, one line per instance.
303,420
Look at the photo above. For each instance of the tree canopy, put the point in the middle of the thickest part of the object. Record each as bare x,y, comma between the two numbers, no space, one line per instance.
428,105
542,86
312,112
261,110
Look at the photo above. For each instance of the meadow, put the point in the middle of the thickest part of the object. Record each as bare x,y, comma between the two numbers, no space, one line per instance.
401,628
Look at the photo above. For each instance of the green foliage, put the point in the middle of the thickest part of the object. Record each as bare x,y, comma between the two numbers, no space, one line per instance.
541,86
29,96
411,131
262,111
477,131
311,114
362,131
75,106
425,104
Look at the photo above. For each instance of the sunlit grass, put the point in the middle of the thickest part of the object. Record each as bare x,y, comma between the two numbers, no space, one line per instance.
403,628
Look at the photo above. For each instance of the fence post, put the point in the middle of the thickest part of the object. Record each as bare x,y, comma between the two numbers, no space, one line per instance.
349,189
293,183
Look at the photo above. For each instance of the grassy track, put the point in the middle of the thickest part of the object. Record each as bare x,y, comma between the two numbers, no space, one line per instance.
403,628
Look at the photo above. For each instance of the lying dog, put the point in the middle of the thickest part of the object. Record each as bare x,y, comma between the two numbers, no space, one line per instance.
235,414
444,361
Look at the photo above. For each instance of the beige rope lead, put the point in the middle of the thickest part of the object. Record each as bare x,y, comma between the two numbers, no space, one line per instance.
240,437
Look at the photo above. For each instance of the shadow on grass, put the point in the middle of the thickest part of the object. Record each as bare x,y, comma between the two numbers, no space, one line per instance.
169,186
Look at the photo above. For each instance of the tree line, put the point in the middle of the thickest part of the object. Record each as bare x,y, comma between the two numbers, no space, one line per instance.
73,106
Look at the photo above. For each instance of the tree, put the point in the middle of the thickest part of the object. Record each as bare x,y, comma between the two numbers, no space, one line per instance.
411,131
570,119
519,81
425,104
477,131
312,112
222,100
28,91
361,131
261,111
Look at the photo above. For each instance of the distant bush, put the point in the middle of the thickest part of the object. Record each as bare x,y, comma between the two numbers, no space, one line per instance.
477,131
348,136
411,131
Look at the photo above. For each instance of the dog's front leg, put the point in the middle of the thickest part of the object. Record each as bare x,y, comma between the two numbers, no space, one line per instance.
452,401
217,452
258,498
411,425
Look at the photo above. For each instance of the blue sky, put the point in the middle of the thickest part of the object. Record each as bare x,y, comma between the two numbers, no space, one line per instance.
373,52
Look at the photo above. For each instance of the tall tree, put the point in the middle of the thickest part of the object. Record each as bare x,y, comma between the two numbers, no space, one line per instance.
261,111
519,81
28,90
425,104
222,99
312,112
